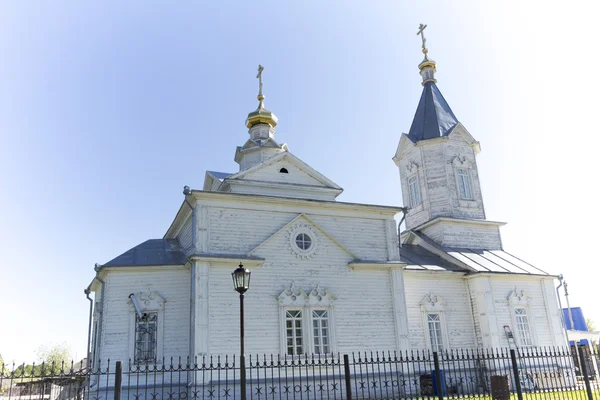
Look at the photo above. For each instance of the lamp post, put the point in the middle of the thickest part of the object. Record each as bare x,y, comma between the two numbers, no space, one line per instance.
241,282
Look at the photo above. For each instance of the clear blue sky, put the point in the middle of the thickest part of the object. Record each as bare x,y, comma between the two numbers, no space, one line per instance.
107,108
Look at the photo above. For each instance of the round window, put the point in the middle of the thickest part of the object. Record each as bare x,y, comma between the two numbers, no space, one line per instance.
303,241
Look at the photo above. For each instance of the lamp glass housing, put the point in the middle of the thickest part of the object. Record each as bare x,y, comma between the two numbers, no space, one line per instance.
241,279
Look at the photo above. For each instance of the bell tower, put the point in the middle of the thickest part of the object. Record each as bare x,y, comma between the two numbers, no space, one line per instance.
438,168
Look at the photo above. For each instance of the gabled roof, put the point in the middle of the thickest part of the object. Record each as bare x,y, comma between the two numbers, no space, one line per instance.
220,175
433,117
322,179
149,253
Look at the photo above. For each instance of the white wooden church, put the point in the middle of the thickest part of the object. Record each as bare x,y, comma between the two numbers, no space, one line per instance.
327,276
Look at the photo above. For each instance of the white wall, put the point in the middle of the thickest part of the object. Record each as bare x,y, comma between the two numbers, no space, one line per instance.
539,313
465,235
172,283
452,288
363,315
238,231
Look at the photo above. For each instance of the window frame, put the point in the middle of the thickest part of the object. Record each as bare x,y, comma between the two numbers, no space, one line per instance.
137,323
521,337
149,302
439,346
294,337
518,299
467,180
317,300
432,304
419,199
320,329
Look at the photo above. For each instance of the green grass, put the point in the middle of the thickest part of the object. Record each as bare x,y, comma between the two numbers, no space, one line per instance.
570,395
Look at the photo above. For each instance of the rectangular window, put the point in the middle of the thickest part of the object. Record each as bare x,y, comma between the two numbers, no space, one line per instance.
293,329
413,191
464,184
146,337
434,324
320,331
523,330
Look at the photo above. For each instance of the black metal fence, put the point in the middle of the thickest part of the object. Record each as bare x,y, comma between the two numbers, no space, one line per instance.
527,373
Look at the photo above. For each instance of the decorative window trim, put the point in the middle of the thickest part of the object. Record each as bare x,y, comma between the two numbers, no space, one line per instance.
307,229
519,299
148,301
432,304
462,163
411,167
294,298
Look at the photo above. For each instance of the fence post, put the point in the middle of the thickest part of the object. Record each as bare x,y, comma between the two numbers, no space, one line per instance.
438,376
347,377
584,372
513,358
118,378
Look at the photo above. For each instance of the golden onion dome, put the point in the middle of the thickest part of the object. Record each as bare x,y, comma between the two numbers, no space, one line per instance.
261,115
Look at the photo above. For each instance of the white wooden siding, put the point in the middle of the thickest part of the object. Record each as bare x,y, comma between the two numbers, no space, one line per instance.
362,314
235,231
172,283
458,312
238,231
456,145
465,235
538,313
185,235
271,173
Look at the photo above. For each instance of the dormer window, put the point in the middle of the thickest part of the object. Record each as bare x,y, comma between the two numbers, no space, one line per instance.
414,193
283,171
464,184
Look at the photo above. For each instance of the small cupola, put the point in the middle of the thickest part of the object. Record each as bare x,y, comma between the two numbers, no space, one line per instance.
261,127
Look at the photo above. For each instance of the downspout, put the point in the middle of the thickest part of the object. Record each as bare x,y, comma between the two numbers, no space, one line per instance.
89,335
191,339
404,212
562,314
97,268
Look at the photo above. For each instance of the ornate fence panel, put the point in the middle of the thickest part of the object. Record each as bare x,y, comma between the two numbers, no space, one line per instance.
525,373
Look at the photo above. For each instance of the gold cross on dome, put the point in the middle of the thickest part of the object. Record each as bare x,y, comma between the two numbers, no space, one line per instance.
420,32
259,76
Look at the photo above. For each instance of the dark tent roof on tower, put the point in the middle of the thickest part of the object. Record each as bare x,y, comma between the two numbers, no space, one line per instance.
433,118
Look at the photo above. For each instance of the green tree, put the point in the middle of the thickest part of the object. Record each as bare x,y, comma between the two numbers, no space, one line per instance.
54,359
590,325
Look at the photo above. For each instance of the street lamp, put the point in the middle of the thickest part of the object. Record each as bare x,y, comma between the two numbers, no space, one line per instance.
241,282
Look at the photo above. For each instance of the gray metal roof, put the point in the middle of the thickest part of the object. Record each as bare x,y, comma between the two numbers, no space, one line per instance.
151,252
416,257
482,260
219,175
433,117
